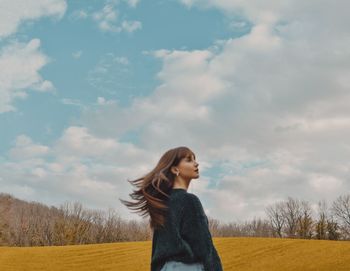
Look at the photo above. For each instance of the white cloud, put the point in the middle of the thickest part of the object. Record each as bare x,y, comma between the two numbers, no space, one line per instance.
132,3
81,166
25,149
270,108
324,184
73,102
277,95
112,74
103,101
20,64
14,12
122,60
107,19
131,26
76,140
267,11
79,14
77,54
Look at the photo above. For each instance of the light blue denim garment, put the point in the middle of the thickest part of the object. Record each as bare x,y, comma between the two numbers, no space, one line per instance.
180,266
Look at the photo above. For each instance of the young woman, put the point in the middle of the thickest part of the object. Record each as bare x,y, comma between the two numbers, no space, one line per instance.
181,237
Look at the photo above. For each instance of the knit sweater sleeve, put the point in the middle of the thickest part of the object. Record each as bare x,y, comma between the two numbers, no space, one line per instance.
195,231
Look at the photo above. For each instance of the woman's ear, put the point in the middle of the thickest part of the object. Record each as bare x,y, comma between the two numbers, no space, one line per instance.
173,169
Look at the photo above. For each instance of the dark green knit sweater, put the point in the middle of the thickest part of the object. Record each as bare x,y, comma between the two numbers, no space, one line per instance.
185,236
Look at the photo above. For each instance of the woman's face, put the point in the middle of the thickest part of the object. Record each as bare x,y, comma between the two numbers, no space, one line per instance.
188,167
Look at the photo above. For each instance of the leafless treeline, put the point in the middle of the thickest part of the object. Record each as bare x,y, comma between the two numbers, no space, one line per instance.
34,224
293,218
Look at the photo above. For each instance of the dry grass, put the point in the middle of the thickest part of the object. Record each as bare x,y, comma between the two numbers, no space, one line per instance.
238,254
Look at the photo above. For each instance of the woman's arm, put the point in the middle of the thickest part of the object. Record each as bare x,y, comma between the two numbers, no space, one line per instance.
195,230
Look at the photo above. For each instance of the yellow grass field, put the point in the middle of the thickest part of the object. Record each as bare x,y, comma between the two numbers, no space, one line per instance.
236,253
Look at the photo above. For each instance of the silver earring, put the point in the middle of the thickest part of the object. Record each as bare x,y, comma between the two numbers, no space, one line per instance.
177,173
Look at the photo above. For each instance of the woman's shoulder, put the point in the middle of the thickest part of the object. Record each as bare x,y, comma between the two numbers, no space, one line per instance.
193,205
192,201
192,196
180,193
185,198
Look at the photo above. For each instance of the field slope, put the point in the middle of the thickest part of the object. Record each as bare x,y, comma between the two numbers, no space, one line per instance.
238,254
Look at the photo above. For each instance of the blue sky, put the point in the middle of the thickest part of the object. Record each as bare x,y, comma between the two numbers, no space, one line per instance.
165,24
93,92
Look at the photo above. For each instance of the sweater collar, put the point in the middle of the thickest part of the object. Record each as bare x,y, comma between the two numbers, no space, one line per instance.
178,190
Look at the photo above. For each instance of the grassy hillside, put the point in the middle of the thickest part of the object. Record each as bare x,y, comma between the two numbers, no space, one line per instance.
238,254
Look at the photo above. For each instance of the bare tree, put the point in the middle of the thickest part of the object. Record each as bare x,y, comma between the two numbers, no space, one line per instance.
113,226
305,222
277,219
341,209
321,222
98,229
5,207
291,212
77,223
214,225
259,227
231,229
19,227
333,229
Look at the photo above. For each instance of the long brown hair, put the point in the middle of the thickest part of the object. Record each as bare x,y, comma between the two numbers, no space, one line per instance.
154,187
